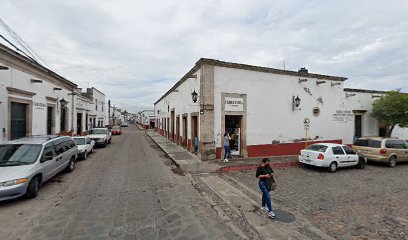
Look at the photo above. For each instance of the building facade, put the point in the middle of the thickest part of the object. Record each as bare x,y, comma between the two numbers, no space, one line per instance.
266,111
99,114
33,99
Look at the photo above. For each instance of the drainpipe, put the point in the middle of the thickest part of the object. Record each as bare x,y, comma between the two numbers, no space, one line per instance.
72,113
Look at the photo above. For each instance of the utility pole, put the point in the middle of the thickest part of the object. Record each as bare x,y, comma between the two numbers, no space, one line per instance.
109,115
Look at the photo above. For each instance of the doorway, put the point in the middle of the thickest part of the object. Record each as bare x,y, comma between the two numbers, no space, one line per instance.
18,120
79,123
177,140
63,120
172,122
185,140
358,129
233,125
50,120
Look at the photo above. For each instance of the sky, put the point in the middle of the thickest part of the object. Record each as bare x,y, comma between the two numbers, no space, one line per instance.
134,51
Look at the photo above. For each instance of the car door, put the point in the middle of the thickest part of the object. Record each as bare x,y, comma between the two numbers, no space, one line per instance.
61,149
339,156
49,161
88,142
397,147
352,157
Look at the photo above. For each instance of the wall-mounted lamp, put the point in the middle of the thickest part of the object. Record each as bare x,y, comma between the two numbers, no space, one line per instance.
57,89
350,95
3,68
301,80
158,112
194,96
37,81
193,76
63,102
295,103
335,83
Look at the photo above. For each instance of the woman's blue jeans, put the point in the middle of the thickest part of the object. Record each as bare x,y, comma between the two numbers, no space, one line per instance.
266,197
227,151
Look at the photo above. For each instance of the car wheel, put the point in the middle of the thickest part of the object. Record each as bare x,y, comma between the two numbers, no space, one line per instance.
361,163
32,189
85,155
71,165
105,144
393,161
333,167
91,150
110,141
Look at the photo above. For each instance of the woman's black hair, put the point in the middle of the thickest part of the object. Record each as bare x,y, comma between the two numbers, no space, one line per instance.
265,160
225,134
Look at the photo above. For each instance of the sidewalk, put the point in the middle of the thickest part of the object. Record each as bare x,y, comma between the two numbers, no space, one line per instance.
189,162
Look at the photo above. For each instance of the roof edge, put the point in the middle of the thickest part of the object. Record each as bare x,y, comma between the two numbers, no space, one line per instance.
219,63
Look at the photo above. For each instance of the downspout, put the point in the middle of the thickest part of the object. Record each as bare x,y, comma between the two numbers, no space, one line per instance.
72,113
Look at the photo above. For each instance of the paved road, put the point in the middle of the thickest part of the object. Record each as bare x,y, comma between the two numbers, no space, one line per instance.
126,191
349,204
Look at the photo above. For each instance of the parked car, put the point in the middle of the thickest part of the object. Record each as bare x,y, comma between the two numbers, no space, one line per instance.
28,162
386,150
85,146
101,136
331,156
116,130
124,124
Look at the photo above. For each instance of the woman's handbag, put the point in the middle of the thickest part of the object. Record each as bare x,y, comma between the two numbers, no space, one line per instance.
270,184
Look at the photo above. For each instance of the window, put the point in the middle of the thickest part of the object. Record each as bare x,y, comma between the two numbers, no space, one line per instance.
102,105
337,151
349,151
49,152
368,143
96,104
59,148
396,144
19,154
317,148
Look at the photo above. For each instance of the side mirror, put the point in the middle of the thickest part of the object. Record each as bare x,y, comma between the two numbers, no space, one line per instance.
46,158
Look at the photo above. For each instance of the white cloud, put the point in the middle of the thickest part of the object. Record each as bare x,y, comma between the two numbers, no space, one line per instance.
135,51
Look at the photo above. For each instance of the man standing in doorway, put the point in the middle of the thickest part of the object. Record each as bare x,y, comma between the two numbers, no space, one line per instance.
227,149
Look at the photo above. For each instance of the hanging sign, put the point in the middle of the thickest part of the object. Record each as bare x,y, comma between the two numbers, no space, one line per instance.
234,104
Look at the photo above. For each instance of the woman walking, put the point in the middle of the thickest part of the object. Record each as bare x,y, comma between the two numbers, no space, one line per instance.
265,175
227,149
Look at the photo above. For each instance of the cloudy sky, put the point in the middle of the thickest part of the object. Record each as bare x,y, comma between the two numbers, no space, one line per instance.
134,51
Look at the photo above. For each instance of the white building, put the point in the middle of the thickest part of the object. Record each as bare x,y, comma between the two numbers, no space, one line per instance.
147,119
264,110
33,99
99,113
84,106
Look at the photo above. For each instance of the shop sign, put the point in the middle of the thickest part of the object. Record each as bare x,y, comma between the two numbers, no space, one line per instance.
343,116
39,105
234,104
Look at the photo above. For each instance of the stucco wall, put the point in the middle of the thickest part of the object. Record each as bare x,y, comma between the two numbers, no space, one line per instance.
270,118
20,80
181,102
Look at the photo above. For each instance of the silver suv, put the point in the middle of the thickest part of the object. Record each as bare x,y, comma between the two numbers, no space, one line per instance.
28,162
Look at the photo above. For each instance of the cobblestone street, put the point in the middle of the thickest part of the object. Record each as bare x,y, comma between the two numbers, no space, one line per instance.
126,191
350,204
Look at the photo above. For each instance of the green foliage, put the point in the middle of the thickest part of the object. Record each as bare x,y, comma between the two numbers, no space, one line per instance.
392,109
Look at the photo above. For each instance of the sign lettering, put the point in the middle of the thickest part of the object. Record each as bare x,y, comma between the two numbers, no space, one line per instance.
234,104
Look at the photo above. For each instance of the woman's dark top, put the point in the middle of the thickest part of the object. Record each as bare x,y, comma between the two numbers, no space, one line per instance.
263,171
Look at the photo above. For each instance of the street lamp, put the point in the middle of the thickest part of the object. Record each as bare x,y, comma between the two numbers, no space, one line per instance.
63,102
194,96
295,102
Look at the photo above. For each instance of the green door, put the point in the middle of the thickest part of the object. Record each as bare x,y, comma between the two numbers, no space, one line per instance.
18,120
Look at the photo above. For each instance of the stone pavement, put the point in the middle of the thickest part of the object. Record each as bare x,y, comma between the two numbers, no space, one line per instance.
189,162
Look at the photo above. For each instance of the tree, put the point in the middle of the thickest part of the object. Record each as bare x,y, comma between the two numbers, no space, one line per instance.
392,110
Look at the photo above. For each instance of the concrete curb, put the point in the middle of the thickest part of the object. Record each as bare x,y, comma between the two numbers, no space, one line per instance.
253,167
165,153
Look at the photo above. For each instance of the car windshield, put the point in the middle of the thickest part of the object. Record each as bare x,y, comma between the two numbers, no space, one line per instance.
116,128
18,154
80,141
97,131
368,143
317,148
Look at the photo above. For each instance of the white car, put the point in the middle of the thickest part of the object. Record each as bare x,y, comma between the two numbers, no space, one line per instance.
331,156
85,146
101,136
